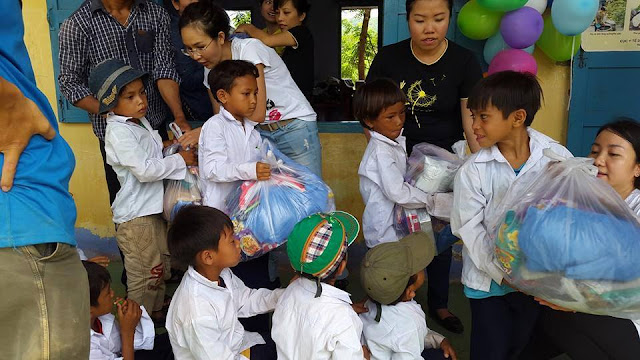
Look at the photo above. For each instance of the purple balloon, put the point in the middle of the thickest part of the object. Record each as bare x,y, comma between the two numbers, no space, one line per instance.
514,60
521,28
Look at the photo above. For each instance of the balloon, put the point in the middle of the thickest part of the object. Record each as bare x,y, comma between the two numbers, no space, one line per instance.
514,60
476,22
521,28
495,44
502,5
539,5
556,45
572,17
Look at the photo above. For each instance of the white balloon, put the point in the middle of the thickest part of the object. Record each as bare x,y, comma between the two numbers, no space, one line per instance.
539,5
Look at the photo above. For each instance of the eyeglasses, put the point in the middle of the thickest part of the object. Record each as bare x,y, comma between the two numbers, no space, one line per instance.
197,51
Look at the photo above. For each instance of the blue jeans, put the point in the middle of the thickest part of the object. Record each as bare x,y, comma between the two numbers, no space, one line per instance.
300,142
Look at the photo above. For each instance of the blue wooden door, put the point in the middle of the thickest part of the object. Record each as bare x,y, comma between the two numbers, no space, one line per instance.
604,87
58,11
395,27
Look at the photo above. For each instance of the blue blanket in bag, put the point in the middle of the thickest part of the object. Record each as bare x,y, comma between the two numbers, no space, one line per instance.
584,245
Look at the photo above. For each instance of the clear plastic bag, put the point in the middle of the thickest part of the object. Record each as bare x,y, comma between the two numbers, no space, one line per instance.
180,193
432,169
265,212
567,237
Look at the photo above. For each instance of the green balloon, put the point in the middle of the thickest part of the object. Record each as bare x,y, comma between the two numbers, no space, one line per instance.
556,45
502,5
477,22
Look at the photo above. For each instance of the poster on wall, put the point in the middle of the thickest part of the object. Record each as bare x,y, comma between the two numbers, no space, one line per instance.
616,27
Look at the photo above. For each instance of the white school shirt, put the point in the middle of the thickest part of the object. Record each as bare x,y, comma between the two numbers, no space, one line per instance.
284,99
305,327
135,154
382,185
633,200
402,332
108,345
479,187
202,321
227,154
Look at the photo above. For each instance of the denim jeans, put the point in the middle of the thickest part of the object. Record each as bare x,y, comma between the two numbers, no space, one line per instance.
44,312
300,142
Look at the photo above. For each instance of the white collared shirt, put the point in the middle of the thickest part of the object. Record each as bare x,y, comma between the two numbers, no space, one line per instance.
227,154
202,321
382,185
306,327
402,332
479,187
135,153
108,345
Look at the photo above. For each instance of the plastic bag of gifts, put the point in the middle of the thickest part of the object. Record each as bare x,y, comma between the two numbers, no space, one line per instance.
432,169
265,212
568,238
180,193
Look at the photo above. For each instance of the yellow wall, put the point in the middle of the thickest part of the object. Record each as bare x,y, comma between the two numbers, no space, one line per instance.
341,152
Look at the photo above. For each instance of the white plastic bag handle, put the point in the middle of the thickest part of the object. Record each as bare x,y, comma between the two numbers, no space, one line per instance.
584,164
175,129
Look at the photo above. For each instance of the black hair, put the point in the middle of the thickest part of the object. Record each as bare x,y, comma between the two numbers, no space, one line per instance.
223,75
628,129
375,96
410,3
412,280
99,278
508,91
208,16
194,229
302,6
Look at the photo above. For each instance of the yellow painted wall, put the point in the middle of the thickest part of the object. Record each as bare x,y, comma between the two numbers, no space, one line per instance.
341,152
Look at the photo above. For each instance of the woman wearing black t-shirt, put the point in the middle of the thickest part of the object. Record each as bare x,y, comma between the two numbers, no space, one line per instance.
295,37
437,76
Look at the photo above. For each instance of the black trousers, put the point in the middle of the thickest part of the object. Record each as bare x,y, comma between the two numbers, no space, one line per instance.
582,337
161,349
501,326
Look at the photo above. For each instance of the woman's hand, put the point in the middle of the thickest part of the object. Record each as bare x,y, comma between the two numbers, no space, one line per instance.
553,306
190,138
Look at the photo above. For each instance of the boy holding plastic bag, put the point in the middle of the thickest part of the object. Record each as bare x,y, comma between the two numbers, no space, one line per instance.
503,106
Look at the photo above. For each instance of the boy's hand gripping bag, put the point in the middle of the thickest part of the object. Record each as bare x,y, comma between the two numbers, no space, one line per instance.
180,193
567,237
432,168
265,212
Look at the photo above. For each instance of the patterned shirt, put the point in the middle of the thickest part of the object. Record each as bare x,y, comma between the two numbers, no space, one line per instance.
91,35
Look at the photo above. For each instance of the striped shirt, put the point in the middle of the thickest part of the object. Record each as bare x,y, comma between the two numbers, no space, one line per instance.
91,35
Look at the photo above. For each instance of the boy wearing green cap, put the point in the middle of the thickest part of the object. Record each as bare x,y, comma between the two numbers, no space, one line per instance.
134,151
313,319
395,326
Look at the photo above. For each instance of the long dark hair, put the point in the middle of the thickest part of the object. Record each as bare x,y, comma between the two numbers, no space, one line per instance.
628,129
410,4
208,16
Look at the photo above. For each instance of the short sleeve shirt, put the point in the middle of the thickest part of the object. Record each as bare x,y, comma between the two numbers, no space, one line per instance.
284,98
299,59
433,91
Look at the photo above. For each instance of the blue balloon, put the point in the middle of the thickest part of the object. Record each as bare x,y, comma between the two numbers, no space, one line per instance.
572,17
495,44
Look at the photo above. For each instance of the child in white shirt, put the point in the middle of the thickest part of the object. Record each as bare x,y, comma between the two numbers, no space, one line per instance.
229,146
379,105
203,316
313,319
503,106
134,150
395,326
133,333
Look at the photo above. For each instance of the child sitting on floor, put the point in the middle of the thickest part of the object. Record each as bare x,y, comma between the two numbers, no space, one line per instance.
134,335
314,319
203,316
395,325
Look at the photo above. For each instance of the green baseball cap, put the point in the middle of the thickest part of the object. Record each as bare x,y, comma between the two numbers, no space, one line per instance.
386,269
318,243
